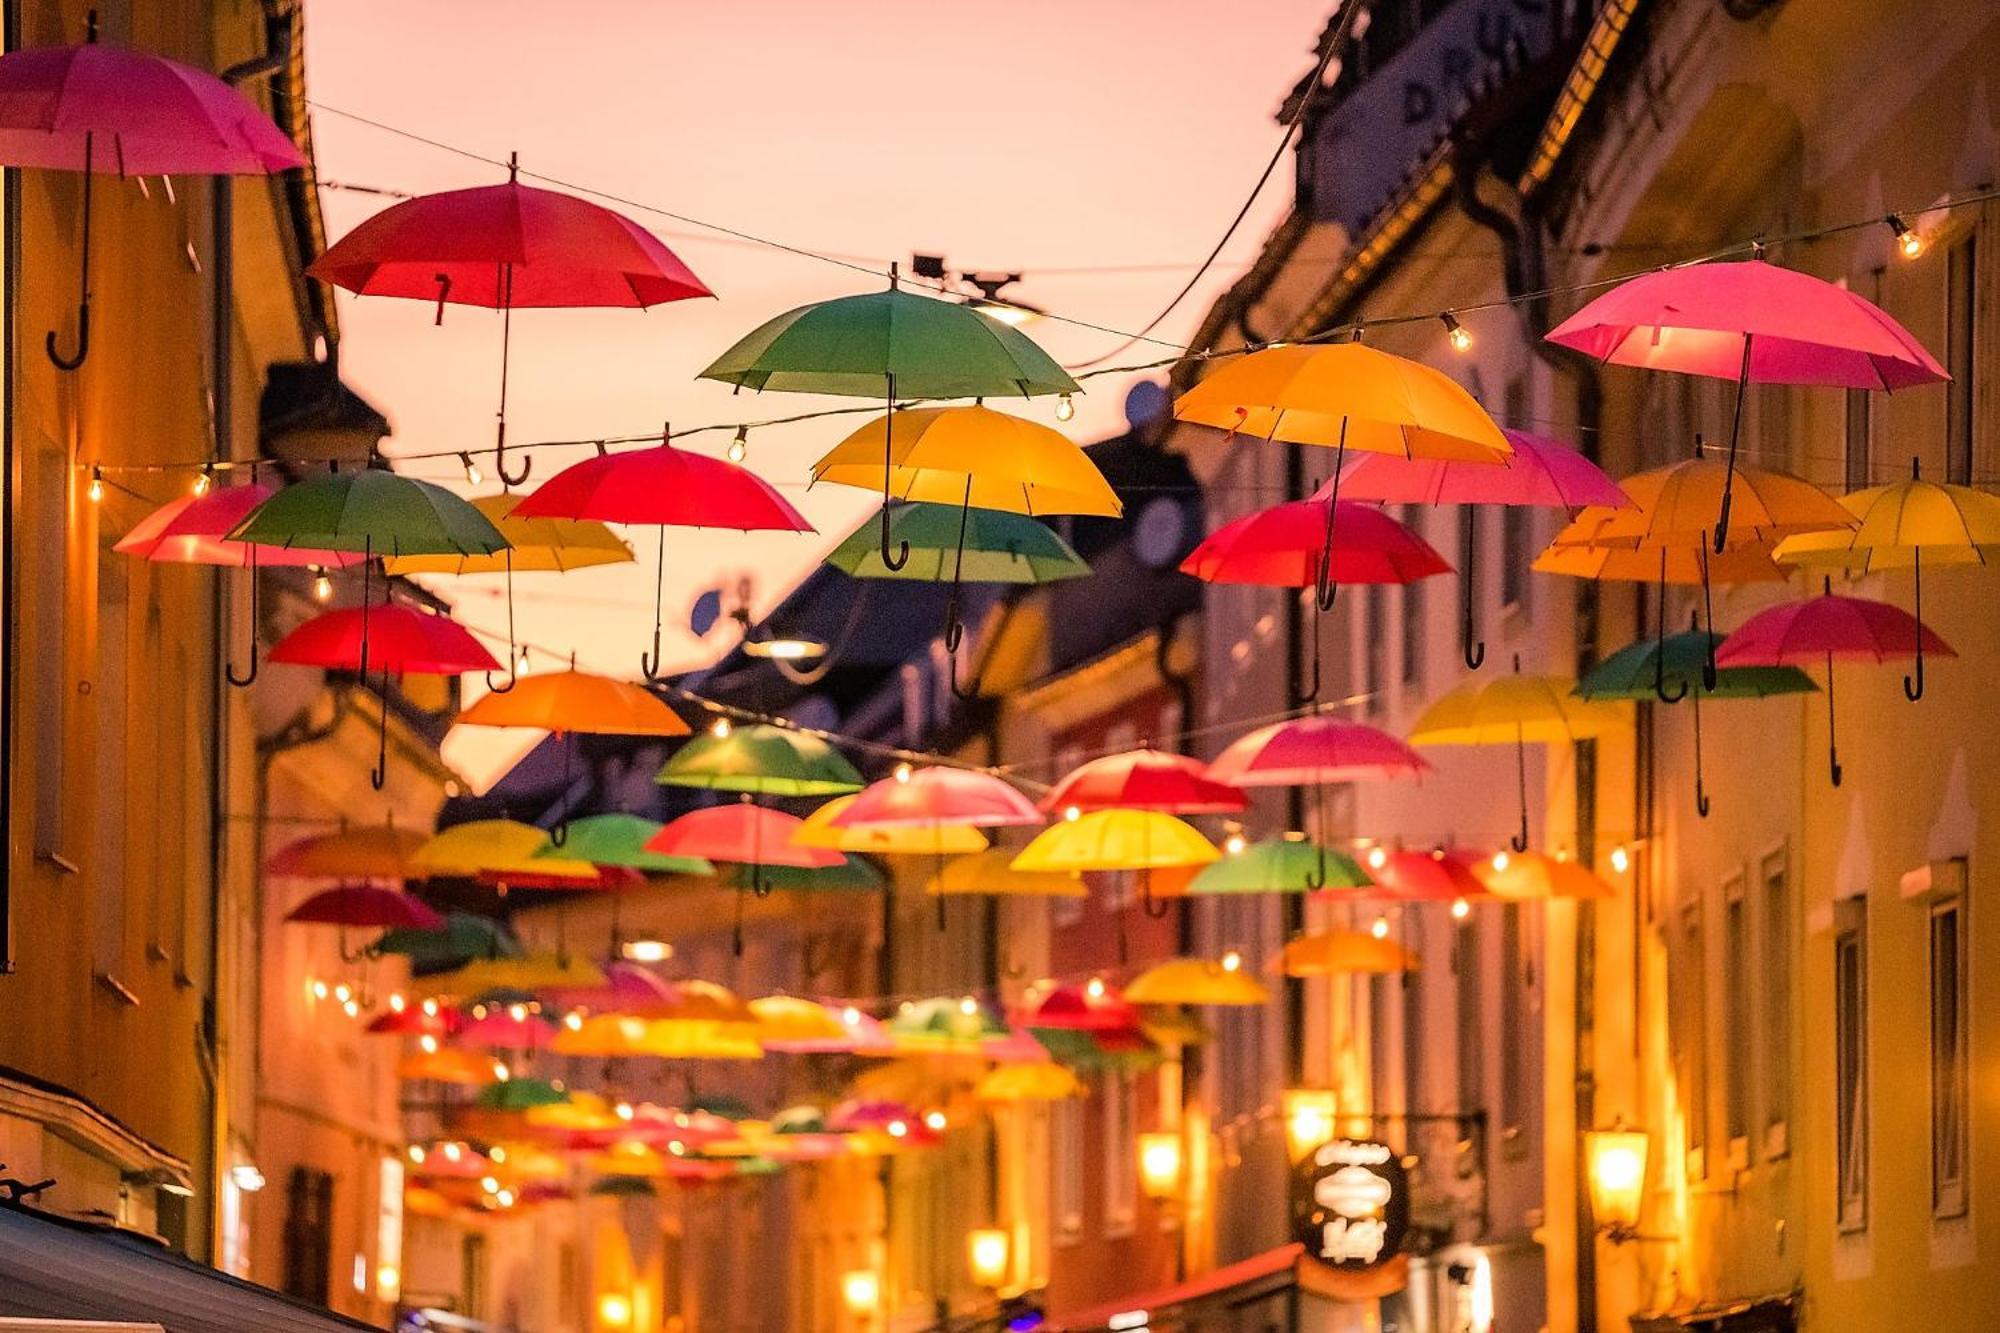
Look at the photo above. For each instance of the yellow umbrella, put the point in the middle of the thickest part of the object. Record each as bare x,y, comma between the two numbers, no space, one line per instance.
926,1079
1531,876
629,1157
973,457
1032,1081
992,872
620,1035
534,545
536,972
819,830
582,1113
495,848
1514,710
1197,981
788,1018
576,701
1328,952
1119,840
1573,553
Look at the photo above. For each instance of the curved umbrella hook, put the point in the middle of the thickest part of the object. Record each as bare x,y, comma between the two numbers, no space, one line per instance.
513,660
897,558
649,664
1832,751
229,668
507,479
1660,648
1700,790
1913,690
1519,841
1315,879
1475,649
1154,907
378,776
1735,433
1325,590
1708,668
970,690
74,360
954,629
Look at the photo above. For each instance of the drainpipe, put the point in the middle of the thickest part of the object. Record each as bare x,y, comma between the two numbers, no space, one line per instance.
1523,246
10,204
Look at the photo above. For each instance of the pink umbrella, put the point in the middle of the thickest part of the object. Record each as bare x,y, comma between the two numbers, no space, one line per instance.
400,640
1827,629
503,246
1540,471
628,989
742,834
940,795
501,1027
1145,779
670,487
1749,321
60,104
1090,1007
1313,750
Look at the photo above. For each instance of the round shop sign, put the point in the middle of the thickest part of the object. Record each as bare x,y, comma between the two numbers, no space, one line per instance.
1351,1203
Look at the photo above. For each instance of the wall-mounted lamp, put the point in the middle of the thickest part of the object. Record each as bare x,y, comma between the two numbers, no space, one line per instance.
1616,1160
1160,1164
1309,1117
986,1252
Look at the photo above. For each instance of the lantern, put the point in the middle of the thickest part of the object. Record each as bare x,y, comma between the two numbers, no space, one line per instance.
861,1291
1616,1160
1309,1116
1160,1163
986,1256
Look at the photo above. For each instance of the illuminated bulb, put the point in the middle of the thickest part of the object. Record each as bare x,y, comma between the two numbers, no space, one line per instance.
850,1016
352,1008
518,1012
96,483
1460,909
1094,988
897,1129
573,1020
1072,813
505,1198
204,479
623,1111
1907,239
343,992
1234,844
1379,928
902,772
491,1184
521,661
740,445
968,1006
936,1119
501,1072
1232,961
430,1008
473,476
417,1154
396,1002
319,990
322,586
721,729
497,1153
1460,337
677,1148
427,1044
1500,862
1065,409
1377,858
1621,860
453,1151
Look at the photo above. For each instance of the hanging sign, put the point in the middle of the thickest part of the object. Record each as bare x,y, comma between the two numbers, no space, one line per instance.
1351,1203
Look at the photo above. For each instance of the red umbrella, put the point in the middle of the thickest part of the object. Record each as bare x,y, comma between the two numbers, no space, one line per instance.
1145,779
1749,321
95,109
1091,1007
669,487
416,1020
1438,875
743,834
1829,629
503,246
1314,750
606,878
922,797
366,905
1540,471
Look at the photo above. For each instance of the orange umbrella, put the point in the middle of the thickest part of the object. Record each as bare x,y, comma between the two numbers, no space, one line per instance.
1328,952
379,851
1522,876
576,701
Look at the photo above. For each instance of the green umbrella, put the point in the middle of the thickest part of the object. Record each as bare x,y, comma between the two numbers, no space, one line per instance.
1289,864
998,548
622,1187
949,1020
519,1094
886,343
853,874
620,840
763,760
722,1106
463,938
1645,669
1084,1052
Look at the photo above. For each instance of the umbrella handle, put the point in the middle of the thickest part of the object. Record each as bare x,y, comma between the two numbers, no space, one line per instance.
507,479
74,360
229,668
1325,590
1709,675
378,776
649,665
1475,649
513,662
1519,841
940,912
1700,790
1660,650
1156,908
970,690
736,934
1913,690
1735,434
900,556
1315,879
1833,768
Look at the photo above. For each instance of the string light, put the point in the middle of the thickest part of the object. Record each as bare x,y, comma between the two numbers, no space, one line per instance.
1377,858
1232,961
936,1120
1379,927
1461,337
204,479
739,446
1065,409
1460,909
1072,813
1235,843
1501,861
1094,988
903,772
96,482
322,585
721,729
473,476
1907,239
1621,860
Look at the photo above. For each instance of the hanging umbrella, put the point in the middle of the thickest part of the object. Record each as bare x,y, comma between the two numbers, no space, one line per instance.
856,1034
628,1036
1196,981
1312,750
533,972
1513,710
1287,864
991,872
819,830
763,760
745,835
1437,875
463,938
1137,840
1903,525
375,851
416,1020
447,1064
1015,1084
1540,471
1346,396
944,1022
1144,779
1827,629
1091,1006
520,1094
1748,322
502,247
889,343
504,848
663,487
1525,876
927,797
366,905
95,109
507,1029
1644,670
851,874
1334,952
792,1021
620,839
534,545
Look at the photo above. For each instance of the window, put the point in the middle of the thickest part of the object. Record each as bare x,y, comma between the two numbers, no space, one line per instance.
1737,1037
308,1234
110,697
1066,1167
1375,629
1413,612
1471,1053
1850,1067
1121,1153
1692,1026
1961,315
1950,1089
1515,1016
1860,438
48,504
1777,1011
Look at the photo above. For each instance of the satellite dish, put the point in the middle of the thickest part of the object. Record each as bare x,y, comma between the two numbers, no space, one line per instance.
1145,403
707,609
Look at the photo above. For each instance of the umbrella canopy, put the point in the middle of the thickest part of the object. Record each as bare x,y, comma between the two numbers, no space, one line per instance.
820,830
463,938
1196,981
1028,1081
614,1036
1437,875
191,529
1630,672
926,797
1091,1006
1519,876
366,905
999,547
416,1020
534,972
944,1021
507,1029
374,511
855,1033
375,851
1573,553
1677,506
741,833
504,847
1116,840
791,1021
520,1094
763,760
620,839
971,458
851,874
1287,864
447,1064
992,872
1286,546
1144,779
399,639
534,545
1333,952
1306,751
576,701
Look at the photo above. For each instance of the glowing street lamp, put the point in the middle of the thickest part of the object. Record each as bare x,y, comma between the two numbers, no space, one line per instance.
861,1292
1309,1116
1160,1164
1616,1159
986,1251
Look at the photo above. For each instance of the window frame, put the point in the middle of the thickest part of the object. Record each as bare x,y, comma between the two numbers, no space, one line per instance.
1738,1039
1852,1148
1950,1198
1778,968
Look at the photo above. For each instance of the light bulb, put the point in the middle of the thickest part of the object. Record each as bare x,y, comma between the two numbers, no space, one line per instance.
430,1008
428,1044
500,1071
491,1184
96,483
518,1012
1234,844
453,1151
850,1016
1907,239
204,479
573,1020
1232,961
396,1002
1621,860
1072,813
473,476
1379,928
968,1006
1460,337
352,1008
898,1129
623,1111
496,1153
740,445
322,587
417,1154
1065,409
1094,988
936,1120
1377,858
1501,861
319,990
343,992
1460,909
721,728
902,772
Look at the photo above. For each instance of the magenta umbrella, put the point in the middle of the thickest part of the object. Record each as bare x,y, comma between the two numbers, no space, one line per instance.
1749,322
1311,750
921,798
59,105
1828,629
1540,471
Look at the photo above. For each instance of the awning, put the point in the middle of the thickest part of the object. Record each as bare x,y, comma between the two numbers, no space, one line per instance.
1245,1282
56,1268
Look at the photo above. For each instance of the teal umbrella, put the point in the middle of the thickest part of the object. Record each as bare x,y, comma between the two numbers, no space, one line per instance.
888,343
998,548
519,1094
463,938
1288,864
763,760
620,840
1645,670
